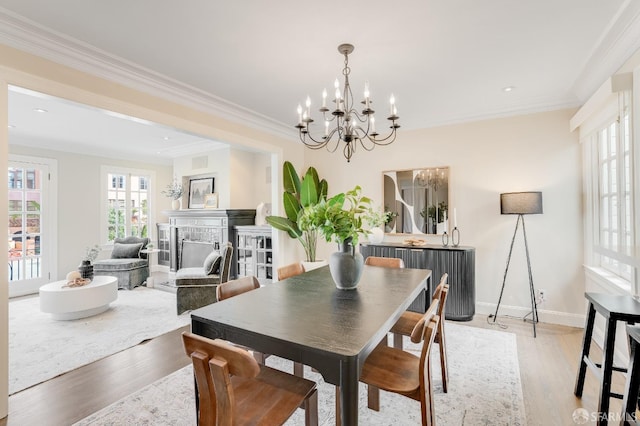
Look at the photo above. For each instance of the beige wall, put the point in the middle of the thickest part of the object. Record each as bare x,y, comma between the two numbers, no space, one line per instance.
526,153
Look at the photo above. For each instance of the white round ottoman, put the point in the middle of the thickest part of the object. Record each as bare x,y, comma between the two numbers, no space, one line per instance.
70,303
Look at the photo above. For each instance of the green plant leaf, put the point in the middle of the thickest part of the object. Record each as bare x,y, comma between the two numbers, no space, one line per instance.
324,189
292,206
284,224
290,178
310,189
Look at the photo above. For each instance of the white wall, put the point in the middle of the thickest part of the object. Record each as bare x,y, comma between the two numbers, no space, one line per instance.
525,153
79,200
240,176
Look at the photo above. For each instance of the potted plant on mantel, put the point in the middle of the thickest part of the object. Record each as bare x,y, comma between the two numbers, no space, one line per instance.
174,191
298,196
341,219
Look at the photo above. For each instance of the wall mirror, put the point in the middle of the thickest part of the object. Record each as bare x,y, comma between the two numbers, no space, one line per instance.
417,200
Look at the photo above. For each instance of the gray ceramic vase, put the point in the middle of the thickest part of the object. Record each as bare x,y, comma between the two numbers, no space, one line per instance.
346,266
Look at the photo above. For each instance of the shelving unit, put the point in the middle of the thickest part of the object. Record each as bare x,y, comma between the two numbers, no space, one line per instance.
163,244
254,252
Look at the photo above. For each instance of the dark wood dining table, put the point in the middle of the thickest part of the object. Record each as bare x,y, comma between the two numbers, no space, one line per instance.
308,320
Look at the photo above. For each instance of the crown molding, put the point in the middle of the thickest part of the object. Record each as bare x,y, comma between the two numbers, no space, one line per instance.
618,43
28,36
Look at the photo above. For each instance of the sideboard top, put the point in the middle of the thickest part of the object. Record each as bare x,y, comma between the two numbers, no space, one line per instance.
424,247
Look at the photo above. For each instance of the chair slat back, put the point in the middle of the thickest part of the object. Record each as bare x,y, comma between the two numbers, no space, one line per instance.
385,262
290,271
214,361
418,330
441,292
235,287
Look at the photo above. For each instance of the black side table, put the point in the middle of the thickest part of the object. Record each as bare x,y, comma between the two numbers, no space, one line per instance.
630,400
613,308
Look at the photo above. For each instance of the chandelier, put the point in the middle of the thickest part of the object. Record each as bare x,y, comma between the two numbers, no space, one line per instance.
345,124
431,178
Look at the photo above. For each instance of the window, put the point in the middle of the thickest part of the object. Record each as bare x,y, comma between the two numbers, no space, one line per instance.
615,232
127,203
609,156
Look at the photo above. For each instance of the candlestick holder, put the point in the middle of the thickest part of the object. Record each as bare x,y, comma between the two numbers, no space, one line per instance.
445,239
455,237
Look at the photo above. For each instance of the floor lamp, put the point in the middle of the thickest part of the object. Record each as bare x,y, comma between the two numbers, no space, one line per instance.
521,203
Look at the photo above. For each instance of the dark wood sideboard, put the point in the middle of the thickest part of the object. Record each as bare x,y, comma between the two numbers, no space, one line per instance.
459,262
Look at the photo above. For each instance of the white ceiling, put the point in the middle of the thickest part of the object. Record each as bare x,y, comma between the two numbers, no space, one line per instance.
445,61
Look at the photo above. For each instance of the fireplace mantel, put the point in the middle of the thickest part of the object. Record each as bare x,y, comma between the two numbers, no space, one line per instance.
210,225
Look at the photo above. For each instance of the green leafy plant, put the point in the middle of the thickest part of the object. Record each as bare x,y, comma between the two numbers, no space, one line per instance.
344,216
300,195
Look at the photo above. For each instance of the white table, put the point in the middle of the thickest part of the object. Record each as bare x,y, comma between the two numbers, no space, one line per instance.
68,303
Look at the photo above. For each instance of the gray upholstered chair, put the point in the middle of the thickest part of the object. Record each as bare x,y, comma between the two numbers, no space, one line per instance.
127,263
198,276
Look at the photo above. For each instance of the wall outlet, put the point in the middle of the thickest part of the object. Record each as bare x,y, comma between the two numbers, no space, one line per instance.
541,295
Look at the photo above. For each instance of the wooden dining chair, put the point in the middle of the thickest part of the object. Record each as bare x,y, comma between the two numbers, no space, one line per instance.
401,372
242,285
233,389
408,320
386,262
291,270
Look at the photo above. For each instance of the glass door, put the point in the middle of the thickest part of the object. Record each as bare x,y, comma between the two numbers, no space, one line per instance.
27,265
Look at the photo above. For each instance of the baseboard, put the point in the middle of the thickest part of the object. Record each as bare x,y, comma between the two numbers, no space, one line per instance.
546,316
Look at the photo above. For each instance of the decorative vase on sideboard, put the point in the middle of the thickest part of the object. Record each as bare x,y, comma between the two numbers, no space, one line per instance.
346,266
86,269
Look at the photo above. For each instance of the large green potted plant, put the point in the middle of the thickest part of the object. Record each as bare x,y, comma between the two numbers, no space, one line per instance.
300,194
343,219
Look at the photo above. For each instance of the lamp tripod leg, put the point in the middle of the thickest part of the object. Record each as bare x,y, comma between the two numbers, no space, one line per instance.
504,279
534,305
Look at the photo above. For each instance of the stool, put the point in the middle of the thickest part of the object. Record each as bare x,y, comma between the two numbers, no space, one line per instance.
630,400
613,308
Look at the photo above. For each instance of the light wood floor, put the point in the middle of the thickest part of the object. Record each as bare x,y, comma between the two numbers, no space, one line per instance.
548,366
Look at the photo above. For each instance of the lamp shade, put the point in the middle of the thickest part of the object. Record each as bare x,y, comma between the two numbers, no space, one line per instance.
521,203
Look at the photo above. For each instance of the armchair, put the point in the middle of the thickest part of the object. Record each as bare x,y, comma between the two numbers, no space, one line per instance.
198,276
126,263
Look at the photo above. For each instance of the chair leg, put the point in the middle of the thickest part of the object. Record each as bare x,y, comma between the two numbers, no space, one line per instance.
443,357
373,398
311,409
298,369
397,341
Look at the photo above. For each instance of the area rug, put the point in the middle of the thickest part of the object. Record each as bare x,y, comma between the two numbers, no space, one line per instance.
41,348
484,389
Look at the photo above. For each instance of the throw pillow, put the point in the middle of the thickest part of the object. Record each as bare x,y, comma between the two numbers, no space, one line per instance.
212,263
126,251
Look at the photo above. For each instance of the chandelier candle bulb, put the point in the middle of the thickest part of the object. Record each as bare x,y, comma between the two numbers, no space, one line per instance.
372,122
326,128
324,98
299,114
392,102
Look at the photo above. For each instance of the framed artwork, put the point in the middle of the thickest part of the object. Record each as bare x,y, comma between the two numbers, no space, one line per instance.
198,189
211,201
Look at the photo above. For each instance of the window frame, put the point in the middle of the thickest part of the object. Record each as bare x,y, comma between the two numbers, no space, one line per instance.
107,185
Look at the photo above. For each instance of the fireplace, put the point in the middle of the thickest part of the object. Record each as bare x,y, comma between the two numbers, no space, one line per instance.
215,226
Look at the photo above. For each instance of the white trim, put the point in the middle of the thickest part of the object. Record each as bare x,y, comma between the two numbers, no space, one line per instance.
49,224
